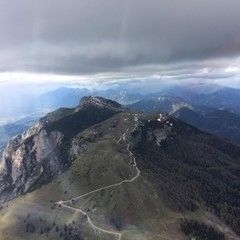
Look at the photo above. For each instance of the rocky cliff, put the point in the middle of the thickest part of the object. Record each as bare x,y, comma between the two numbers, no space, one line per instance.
48,147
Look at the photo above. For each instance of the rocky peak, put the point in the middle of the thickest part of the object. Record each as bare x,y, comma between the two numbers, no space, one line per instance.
44,150
99,102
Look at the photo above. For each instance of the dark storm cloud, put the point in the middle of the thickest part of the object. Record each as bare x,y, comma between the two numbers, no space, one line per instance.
88,36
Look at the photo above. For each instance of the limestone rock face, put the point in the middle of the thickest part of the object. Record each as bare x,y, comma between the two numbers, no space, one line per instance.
47,148
29,159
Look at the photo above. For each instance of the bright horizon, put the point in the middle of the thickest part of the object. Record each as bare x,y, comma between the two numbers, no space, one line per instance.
70,43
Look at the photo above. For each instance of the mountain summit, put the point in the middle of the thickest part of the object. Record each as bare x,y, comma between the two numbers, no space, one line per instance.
99,102
43,150
99,172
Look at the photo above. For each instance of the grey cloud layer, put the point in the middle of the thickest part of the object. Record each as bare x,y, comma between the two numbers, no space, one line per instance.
79,36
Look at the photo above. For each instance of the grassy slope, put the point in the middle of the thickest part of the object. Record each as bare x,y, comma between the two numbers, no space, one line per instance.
104,163
126,207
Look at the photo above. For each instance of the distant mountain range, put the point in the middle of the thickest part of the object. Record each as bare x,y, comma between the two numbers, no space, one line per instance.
101,171
168,100
9,130
162,103
220,122
225,98
203,95
61,97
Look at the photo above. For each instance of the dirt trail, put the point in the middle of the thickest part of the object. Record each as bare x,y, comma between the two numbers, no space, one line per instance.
138,172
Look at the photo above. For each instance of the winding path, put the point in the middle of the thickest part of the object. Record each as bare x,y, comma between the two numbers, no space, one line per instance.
138,172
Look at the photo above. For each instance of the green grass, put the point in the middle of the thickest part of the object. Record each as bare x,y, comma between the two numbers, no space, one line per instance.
104,163
134,208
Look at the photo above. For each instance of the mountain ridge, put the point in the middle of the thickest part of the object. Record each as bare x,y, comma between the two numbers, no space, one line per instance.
48,143
84,153
223,123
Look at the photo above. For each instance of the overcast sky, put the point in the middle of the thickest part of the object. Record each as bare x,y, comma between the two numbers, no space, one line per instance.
105,40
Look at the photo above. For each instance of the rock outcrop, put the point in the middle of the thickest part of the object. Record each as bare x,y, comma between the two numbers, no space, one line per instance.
30,158
47,148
